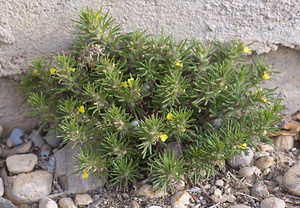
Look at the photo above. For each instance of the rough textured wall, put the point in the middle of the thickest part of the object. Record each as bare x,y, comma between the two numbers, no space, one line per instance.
41,27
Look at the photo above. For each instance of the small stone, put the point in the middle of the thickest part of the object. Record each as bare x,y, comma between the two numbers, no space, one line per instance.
134,204
147,190
272,202
280,180
1,130
247,171
47,203
9,143
46,150
16,136
52,139
219,183
239,206
154,206
259,190
36,138
30,187
66,202
83,199
217,192
292,179
231,198
1,187
181,200
266,147
241,160
284,143
175,149
5,203
21,163
264,162
49,166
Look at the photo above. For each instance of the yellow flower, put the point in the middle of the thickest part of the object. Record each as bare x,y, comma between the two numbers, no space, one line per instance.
52,70
243,146
163,137
81,109
72,69
124,84
266,76
182,129
178,63
130,82
85,174
170,116
97,16
264,99
35,71
246,49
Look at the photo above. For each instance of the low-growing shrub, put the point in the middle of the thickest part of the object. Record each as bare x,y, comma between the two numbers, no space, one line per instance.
145,106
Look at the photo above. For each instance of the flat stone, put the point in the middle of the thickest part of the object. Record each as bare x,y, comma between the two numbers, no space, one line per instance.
147,190
259,190
29,187
16,136
264,162
292,179
181,200
272,202
83,199
1,187
20,149
23,163
284,143
65,171
5,203
36,138
241,160
66,202
47,203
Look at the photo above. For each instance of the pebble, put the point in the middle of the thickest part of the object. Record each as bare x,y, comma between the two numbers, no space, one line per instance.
272,202
1,130
52,139
83,199
266,147
29,187
16,136
292,179
9,143
241,160
22,163
264,162
181,200
217,192
46,150
66,202
280,180
36,138
219,183
259,190
248,171
134,204
154,206
147,190
1,187
47,203
239,206
284,143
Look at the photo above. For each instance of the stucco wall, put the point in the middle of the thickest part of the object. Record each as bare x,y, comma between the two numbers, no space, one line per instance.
41,27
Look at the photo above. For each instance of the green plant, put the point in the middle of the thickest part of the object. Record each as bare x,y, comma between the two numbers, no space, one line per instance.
125,96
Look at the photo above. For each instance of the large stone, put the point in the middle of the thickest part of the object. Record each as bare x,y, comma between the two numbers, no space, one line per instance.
16,136
21,163
30,187
66,202
292,179
241,160
47,203
65,171
272,202
5,203
284,143
83,199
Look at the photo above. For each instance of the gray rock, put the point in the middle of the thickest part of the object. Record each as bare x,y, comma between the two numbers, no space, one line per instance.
285,143
174,148
1,187
83,199
292,180
265,162
16,136
65,171
45,150
52,139
272,202
48,165
36,138
23,163
259,190
30,187
241,160
5,203
47,203
181,200
66,202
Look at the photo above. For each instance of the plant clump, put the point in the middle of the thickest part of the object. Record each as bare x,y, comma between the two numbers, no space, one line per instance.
126,97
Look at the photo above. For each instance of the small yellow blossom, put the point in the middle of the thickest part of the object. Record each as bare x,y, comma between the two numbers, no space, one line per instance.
182,129
170,116
266,76
178,63
130,82
264,99
163,137
97,16
124,84
52,70
72,69
35,71
246,49
85,174
81,109
243,146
